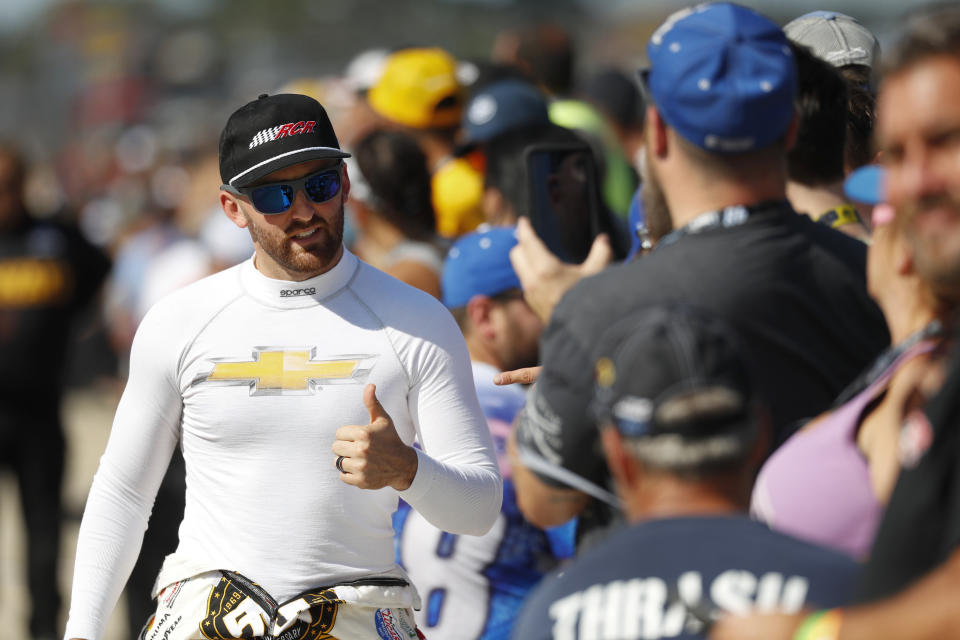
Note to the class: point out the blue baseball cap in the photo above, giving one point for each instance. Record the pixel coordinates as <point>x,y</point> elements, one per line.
<point>723,76</point>
<point>867,184</point>
<point>502,107</point>
<point>479,264</point>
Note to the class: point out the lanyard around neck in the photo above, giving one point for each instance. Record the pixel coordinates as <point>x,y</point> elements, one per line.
<point>933,329</point>
<point>839,216</point>
<point>732,216</point>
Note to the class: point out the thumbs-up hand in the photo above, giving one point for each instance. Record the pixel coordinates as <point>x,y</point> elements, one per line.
<point>373,456</point>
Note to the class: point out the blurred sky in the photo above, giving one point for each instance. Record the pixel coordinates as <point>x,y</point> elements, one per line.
<point>17,14</point>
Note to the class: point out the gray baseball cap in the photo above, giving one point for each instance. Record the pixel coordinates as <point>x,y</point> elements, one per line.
<point>835,37</point>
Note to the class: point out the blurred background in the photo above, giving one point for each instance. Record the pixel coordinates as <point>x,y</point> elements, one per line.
<point>118,106</point>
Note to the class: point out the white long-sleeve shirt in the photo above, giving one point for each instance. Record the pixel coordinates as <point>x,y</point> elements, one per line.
<point>253,376</point>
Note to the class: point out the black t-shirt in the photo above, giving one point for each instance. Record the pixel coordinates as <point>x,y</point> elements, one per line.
<point>921,526</point>
<point>48,273</point>
<point>793,290</point>
<point>635,584</point>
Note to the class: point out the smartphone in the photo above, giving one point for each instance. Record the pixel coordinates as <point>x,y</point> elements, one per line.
<point>563,197</point>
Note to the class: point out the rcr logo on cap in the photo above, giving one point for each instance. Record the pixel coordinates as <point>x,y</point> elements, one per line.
<point>283,130</point>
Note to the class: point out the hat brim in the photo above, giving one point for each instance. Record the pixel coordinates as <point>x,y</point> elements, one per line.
<point>284,160</point>
<point>867,185</point>
<point>676,451</point>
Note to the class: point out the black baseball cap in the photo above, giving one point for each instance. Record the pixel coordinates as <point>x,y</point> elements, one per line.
<point>273,132</point>
<point>672,380</point>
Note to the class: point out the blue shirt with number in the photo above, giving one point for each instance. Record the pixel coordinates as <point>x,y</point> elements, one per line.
<point>473,587</point>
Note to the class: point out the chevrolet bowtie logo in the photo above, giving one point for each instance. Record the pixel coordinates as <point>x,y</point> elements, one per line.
<point>276,371</point>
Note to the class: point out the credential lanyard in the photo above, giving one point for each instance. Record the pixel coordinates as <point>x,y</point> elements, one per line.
<point>839,216</point>
<point>933,329</point>
<point>732,216</point>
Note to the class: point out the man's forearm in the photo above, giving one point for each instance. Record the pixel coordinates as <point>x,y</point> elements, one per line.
<point>462,498</point>
<point>107,548</point>
<point>926,610</point>
<point>541,504</point>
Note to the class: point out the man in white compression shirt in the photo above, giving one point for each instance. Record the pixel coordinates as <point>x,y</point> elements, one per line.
<point>295,384</point>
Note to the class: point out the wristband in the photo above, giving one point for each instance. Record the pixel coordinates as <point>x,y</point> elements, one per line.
<point>820,625</point>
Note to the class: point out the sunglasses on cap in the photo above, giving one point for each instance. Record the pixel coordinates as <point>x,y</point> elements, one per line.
<point>278,197</point>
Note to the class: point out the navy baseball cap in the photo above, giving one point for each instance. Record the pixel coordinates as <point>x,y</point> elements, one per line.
<point>723,76</point>
<point>479,264</point>
<point>273,132</point>
<point>500,108</point>
<point>671,378</point>
<point>867,184</point>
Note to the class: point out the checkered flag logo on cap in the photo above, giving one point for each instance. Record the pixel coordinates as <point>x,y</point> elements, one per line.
<point>265,136</point>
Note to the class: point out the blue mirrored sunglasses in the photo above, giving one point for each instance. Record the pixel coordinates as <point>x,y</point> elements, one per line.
<point>278,197</point>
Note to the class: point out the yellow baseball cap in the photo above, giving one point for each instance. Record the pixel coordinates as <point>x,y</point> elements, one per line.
<point>457,198</point>
<point>419,88</point>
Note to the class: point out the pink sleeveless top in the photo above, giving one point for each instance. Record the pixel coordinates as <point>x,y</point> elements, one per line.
<point>816,486</point>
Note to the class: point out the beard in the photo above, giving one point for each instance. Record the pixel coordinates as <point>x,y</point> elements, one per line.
<point>522,355</point>
<point>936,250</point>
<point>294,258</point>
<point>656,212</point>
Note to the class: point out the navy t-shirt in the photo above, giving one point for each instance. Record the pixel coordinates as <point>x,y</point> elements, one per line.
<point>793,290</point>
<point>634,584</point>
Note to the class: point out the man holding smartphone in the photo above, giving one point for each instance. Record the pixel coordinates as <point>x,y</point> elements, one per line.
<point>716,142</point>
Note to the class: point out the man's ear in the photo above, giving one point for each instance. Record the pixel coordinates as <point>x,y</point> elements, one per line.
<point>479,310</point>
<point>345,183</point>
<point>231,207</point>
<point>790,137</point>
<point>622,466</point>
<point>656,132</point>
<point>761,447</point>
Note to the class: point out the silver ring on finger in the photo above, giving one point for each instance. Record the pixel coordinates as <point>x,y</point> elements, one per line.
<point>340,464</point>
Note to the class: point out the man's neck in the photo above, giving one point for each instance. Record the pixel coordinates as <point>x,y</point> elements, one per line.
<point>814,201</point>
<point>381,233</point>
<point>665,496</point>
<point>905,309</point>
<point>436,150</point>
<point>480,352</point>
<point>271,269</point>
<point>691,189</point>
